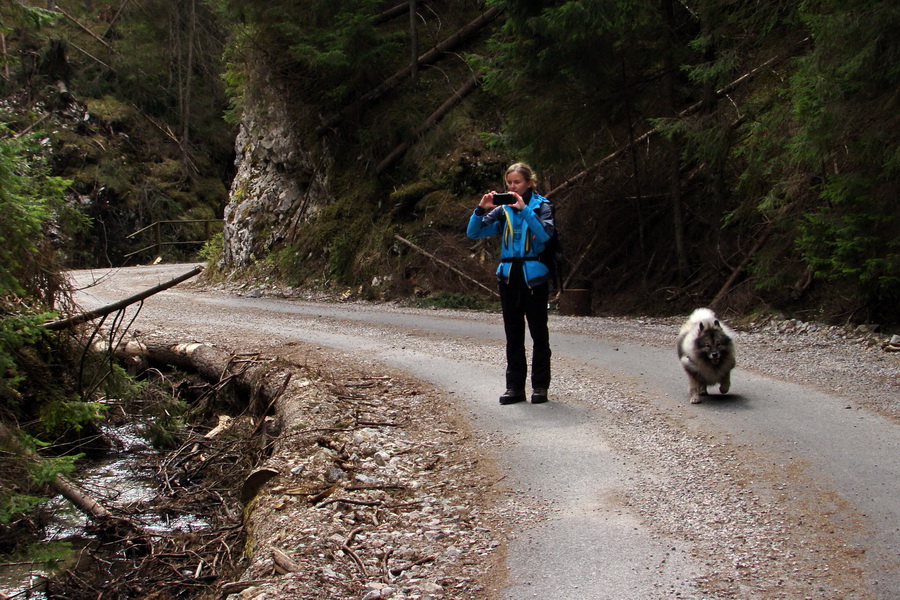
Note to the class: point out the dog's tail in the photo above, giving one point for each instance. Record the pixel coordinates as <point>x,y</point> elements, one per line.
<point>704,316</point>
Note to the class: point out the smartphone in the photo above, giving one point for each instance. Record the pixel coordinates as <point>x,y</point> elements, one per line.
<point>501,199</point>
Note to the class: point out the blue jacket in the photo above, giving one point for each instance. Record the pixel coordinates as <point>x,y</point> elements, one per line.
<point>524,234</point>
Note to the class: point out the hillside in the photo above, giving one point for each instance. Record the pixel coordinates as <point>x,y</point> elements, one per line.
<point>719,153</point>
<point>695,154</point>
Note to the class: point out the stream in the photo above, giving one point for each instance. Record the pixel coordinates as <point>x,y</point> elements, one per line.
<point>126,482</point>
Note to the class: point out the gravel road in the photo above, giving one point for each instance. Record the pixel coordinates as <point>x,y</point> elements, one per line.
<point>788,487</point>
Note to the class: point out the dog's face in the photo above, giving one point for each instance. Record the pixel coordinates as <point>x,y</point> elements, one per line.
<point>713,344</point>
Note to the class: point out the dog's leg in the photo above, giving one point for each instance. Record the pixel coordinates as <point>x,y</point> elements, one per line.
<point>696,388</point>
<point>697,385</point>
<point>725,383</point>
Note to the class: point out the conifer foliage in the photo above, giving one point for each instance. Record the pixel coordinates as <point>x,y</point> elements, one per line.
<point>778,125</point>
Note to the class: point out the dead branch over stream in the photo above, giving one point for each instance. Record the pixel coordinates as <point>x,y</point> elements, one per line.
<point>111,308</point>
<point>110,527</point>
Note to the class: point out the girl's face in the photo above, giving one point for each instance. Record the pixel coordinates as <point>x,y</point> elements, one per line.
<point>516,182</point>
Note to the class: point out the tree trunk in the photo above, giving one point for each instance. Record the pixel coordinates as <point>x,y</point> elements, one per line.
<point>638,203</point>
<point>260,380</point>
<point>413,43</point>
<point>678,230</point>
<point>188,82</point>
<point>5,56</point>
<point>391,13</point>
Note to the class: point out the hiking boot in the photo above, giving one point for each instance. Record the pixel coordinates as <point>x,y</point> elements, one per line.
<point>512,396</point>
<point>538,396</point>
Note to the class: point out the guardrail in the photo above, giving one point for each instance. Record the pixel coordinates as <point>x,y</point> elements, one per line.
<point>159,242</point>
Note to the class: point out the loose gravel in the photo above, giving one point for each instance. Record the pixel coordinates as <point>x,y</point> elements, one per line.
<point>449,539</point>
<point>385,492</point>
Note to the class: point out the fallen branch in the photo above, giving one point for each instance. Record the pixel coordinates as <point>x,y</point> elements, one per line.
<point>86,30</point>
<point>111,308</point>
<point>399,569</point>
<point>403,74</point>
<point>92,57</point>
<point>167,131</point>
<point>430,122</point>
<point>391,13</point>
<point>30,127</point>
<point>111,526</point>
<point>446,264</point>
<point>740,268</point>
<point>115,18</point>
<point>648,134</point>
<point>356,559</point>
<point>581,258</point>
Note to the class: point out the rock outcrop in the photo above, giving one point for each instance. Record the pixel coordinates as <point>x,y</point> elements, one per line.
<point>281,179</point>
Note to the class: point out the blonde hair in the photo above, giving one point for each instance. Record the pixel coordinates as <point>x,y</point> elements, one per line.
<point>525,170</point>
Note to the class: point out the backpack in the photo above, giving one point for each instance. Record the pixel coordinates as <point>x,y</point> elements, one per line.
<point>552,255</point>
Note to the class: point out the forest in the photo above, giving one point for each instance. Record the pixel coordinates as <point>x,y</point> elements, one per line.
<point>729,153</point>
<point>726,153</point>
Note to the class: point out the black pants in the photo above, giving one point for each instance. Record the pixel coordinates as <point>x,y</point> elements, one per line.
<point>521,303</point>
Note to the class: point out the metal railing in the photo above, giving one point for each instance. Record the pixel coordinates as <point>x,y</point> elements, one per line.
<point>159,242</point>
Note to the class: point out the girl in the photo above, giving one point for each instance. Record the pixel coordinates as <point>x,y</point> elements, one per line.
<point>525,225</point>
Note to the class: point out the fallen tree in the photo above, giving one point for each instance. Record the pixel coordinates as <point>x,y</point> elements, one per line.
<point>445,264</point>
<point>403,74</point>
<point>262,381</point>
<point>454,99</point>
<point>655,130</point>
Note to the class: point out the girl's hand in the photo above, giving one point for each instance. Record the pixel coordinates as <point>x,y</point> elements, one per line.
<point>520,202</point>
<point>487,201</point>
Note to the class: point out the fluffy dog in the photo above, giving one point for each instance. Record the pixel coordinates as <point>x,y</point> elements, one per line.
<point>706,350</point>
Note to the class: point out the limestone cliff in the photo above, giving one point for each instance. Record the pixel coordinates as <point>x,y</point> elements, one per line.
<point>280,182</point>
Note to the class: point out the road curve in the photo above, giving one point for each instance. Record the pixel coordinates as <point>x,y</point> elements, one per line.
<point>774,491</point>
